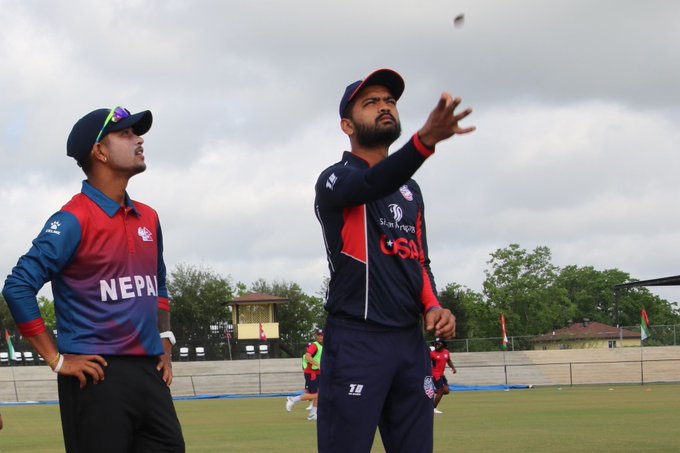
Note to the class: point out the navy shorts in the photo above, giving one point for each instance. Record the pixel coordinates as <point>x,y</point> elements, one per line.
<point>311,383</point>
<point>375,377</point>
<point>441,384</point>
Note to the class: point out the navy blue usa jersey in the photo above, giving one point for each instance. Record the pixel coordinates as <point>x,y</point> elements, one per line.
<point>373,225</point>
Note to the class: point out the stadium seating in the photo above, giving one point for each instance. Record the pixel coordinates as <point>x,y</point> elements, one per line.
<point>250,351</point>
<point>184,353</point>
<point>4,358</point>
<point>28,358</point>
<point>200,353</point>
<point>18,358</point>
<point>264,350</point>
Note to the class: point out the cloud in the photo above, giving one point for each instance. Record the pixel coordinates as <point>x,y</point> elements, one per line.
<point>575,105</point>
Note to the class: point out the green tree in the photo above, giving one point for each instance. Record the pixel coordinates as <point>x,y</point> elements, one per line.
<point>6,320</point>
<point>469,308</point>
<point>592,292</point>
<point>197,296</point>
<point>521,284</point>
<point>475,319</point>
<point>631,301</point>
<point>47,311</point>
<point>298,318</point>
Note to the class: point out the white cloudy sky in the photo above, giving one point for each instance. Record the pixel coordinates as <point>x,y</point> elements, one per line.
<point>576,104</point>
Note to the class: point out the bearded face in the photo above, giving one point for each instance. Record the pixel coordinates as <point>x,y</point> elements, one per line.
<point>379,133</point>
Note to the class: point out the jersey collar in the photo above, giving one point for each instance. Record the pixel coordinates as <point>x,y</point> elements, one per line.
<point>106,204</point>
<point>350,156</point>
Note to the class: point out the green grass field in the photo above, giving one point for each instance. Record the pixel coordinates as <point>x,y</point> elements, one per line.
<point>641,419</point>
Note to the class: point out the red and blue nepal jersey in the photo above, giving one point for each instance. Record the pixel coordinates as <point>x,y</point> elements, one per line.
<point>105,264</point>
<point>373,225</point>
<point>439,361</point>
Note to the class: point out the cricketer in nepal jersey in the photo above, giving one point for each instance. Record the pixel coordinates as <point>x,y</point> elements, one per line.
<point>105,263</point>
<point>373,226</point>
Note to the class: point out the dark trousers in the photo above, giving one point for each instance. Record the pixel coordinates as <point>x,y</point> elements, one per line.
<point>131,410</point>
<point>374,377</point>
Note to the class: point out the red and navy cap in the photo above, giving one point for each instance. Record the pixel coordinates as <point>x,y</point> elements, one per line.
<point>385,77</point>
<point>84,133</point>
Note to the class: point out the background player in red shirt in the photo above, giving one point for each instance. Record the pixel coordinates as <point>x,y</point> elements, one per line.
<point>312,371</point>
<point>440,358</point>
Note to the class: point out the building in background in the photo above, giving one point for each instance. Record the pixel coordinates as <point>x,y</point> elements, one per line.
<point>587,335</point>
<point>256,327</point>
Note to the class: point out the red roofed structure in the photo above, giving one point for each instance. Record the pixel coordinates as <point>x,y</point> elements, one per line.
<point>587,335</point>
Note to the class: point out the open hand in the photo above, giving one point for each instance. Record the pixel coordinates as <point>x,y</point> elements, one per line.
<point>443,121</point>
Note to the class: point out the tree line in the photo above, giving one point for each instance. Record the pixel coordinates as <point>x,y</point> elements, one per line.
<point>534,295</point>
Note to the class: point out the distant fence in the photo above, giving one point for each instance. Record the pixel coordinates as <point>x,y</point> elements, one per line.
<point>662,335</point>
<point>218,347</point>
<point>580,373</point>
<point>284,376</point>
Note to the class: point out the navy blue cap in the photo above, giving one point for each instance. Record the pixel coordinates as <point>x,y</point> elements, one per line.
<point>84,133</point>
<point>385,77</point>
<point>439,341</point>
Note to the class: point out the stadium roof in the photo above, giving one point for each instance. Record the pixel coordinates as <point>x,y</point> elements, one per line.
<point>586,330</point>
<point>256,298</point>
<point>663,281</point>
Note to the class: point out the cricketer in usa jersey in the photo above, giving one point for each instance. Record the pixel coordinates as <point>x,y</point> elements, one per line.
<point>103,254</point>
<point>440,357</point>
<point>376,365</point>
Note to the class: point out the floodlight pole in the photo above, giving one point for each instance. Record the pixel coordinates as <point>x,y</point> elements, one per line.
<point>617,293</point>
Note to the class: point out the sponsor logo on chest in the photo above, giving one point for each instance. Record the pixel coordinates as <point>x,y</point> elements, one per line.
<point>397,215</point>
<point>403,247</point>
<point>145,234</point>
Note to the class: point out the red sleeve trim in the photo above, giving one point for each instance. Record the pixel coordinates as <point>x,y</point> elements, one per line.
<point>32,328</point>
<point>422,149</point>
<point>163,304</point>
<point>427,296</point>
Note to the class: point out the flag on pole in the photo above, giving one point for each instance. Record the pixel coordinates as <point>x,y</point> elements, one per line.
<point>8,339</point>
<point>504,341</point>
<point>263,337</point>
<point>644,326</point>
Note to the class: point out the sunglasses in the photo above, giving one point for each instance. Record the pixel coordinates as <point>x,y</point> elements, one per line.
<point>115,115</point>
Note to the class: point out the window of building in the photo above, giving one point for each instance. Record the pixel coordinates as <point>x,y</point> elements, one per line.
<point>253,314</point>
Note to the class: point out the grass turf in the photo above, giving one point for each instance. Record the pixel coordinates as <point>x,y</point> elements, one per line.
<point>557,420</point>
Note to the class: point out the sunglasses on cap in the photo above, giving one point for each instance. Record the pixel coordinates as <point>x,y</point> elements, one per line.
<point>115,115</point>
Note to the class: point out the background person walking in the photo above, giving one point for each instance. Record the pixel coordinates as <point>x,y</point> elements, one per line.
<point>311,365</point>
<point>440,358</point>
